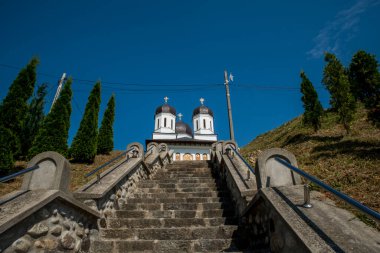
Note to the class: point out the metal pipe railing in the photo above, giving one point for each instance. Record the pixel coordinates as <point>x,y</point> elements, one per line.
<point>19,173</point>
<point>359,206</point>
<point>244,161</point>
<point>106,163</point>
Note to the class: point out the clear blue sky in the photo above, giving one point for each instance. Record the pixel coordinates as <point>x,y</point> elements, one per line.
<point>265,44</point>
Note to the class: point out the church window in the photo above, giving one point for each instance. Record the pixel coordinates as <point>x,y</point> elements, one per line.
<point>171,124</point>
<point>197,124</point>
<point>211,125</point>
<point>158,123</point>
<point>204,123</point>
<point>164,122</point>
<point>204,156</point>
<point>197,156</point>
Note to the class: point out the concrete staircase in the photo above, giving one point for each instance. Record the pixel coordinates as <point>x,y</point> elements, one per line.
<point>181,209</point>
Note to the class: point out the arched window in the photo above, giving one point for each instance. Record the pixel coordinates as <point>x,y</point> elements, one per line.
<point>197,124</point>
<point>197,156</point>
<point>158,123</point>
<point>204,123</point>
<point>171,124</point>
<point>164,122</point>
<point>211,125</point>
<point>177,157</point>
<point>204,156</point>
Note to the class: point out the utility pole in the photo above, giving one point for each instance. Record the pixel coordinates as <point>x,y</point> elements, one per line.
<point>60,83</point>
<point>232,135</point>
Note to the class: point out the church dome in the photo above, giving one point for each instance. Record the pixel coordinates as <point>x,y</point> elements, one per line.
<point>203,110</point>
<point>183,128</point>
<point>165,108</point>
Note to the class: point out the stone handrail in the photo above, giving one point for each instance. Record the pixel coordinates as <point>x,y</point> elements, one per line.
<point>45,216</point>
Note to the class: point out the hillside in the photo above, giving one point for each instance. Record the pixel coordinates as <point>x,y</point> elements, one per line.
<point>349,163</point>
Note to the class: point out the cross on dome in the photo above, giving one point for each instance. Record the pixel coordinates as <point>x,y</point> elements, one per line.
<point>180,116</point>
<point>202,100</point>
<point>166,100</point>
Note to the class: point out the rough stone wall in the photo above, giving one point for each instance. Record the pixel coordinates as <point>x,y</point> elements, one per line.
<point>54,228</point>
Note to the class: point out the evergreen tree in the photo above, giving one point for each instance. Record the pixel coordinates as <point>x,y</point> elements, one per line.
<point>54,131</point>
<point>105,137</point>
<point>6,155</point>
<point>33,119</point>
<point>14,106</point>
<point>365,82</point>
<point>345,102</point>
<point>336,81</point>
<point>311,104</point>
<point>84,145</point>
<point>331,75</point>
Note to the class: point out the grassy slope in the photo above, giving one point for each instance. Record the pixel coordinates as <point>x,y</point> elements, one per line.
<point>78,171</point>
<point>349,163</point>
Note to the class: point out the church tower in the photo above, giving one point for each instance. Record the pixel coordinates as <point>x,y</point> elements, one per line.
<point>164,121</point>
<point>203,123</point>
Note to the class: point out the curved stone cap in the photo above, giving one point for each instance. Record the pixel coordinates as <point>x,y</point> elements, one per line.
<point>165,108</point>
<point>270,173</point>
<point>183,128</point>
<point>203,110</point>
<point>53,173</point>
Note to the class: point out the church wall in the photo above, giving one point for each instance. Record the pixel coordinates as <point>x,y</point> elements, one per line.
<point>190,150</point>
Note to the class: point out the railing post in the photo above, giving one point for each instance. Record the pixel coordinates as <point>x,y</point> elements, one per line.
<point>306,193</point>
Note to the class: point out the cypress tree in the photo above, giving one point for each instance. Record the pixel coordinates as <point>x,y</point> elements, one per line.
<point>14,106</point>
<point>311,104</point>
<point>105,137</point>
<point>345,102</point>
<point>33,119</point>
<point>331,75</point>
<point>84,145</point>
<point>54,131</point>
<point>365,82</point>
<point>336,81</point>
<point>7,139</point>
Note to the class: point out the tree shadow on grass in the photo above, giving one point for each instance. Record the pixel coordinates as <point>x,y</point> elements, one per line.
<point>299,138</point>
<point>360,149</point>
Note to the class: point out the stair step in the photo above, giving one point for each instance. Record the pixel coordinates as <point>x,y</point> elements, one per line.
<point>202,245</point>
<point>182,180</point>
<point>180,195</point>
<point>182,233</point>
<point>212,213</point>
<point>174,190</point>
<point>178,200</point>
<point>150,184</point>
<point>176,206</point>
<point>169,222</point>
<point>171,176</point>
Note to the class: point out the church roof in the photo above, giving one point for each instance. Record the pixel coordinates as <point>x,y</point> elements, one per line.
<point>183,128</point>
<point>165,108</point>
<point>203,110</point>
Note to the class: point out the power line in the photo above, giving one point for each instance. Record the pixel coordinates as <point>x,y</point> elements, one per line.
<point>149,88</point>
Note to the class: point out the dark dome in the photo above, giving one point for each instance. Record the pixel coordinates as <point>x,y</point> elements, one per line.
<point>183,128</point>
<point>165,108</point>
<point>203,110</point>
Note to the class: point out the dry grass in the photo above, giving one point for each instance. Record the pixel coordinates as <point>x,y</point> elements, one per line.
<point>78,171</point>
<point>349,163</point>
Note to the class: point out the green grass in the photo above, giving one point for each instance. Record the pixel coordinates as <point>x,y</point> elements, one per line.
<point>348,162</point>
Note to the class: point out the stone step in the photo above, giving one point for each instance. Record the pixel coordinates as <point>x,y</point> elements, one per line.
<point>182,233</point>
<point>178,200</point>
<point>169,222</point>
<point>150,184</point>
<point>164,246</point>
<point>204,169</point>
<point>175,190</point>
<point>182,180</point>
<point>180,195</point>
<point>176,206</point>
<point>170,176</point>
<point>212,213</point>
<point>175,175</point>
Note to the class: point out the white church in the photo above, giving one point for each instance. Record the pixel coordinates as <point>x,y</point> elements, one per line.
<point>180,137</point>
